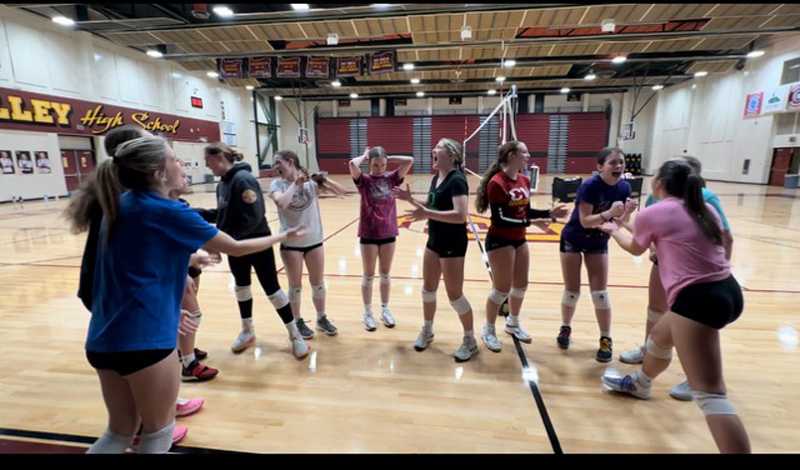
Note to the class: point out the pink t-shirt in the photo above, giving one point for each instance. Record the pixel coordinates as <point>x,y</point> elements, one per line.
<point>378,206</point>
<point>685,255</point>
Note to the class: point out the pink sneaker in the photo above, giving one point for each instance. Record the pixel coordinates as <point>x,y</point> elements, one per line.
<point>185,407</point>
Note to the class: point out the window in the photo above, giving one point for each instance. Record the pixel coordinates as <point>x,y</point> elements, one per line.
<point>791,71</point>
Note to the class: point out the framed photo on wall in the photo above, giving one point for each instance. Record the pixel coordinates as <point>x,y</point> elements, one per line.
<point>24,162</point>
<point>6,162</point>
<point>42,162</point>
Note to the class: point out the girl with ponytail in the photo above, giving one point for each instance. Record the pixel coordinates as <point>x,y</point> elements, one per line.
<point>702,295</point>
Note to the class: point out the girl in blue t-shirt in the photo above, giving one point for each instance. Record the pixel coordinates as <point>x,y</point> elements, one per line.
<point>145,241</point>
<point>600,198</point>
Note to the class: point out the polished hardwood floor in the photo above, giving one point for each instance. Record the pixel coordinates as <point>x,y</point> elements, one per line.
<point>371,392</point>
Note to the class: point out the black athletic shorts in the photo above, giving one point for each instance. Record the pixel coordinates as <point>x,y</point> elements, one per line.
<point>301,249</point>
<point>377,241</point>
<point>127,362</point>
<point>194,273</point>
<point>455,247</point>
<point>565,246</point>
<point>493,243</point>
<point>713,304</point>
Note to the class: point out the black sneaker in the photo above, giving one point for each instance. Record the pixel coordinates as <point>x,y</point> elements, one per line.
<point>563,337</point>
<point>200,354</point>
<point>325,325</point>
<point>305,331</point>
<point>604,353</point>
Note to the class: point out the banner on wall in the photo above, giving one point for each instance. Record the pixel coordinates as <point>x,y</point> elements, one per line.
<point>6,162</point>
<point>288,67</point>
<point>793,99</point>
<point>42,162</point>
<point>318,67</point>
<point>24,162</point>
<point>231,68</point>
<point>348,66</point>
<point>775,102</point>
<point>753,104</point>
<point>259,67</point>
<point>382,62</point>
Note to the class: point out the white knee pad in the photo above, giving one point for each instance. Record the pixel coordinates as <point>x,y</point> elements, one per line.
<point>279,299</point>
<point>713,403</point>
<point>570,299</point>
<point>653,315</point>
<point>318,292</point>
<point>461,305</point>
<point>385,278</point>
<point>294,294</point>
<point>243,293</point>
<point>498,297</point>
<point>518,292</point>
<point>197,316</point>
<point>110,443</point>
<point>158,442</point>
<point>428,297</point>
<point>366,281</point>
<point>657,351</point>
<point>601,300</point>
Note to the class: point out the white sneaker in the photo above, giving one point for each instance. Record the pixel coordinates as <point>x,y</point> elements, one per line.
<point>299,347</point>
<point>681,392</point>
<point>369,322</point>
<point>489,338</point>
<point>634,356</point>
<point>387,318</point>
<point>423,340</point>
<point>627,385</point>
<point>467,349</point>
<point>518,332</point>
<point>245,339</point>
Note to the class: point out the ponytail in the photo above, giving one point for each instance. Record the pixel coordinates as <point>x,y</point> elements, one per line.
<point>680,181</point>
<point>503,154</point>
<point>108,189</point>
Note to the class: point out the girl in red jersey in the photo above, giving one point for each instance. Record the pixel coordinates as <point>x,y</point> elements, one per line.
<point>506,191</point>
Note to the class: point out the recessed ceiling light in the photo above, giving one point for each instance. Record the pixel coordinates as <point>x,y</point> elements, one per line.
<point>408,66</point>
<point>381,5</point>
<point>491,92</point>
<point>415,81</point>
<point>354,95</point>
<point>223,11</point>
<point>420,94</point>
<point>619,59</point>
<point>565,90</point>
<point>590,76</point>
<point>694,85</point>
<point>509,63</point>
<point>701,73</point>
<point>278,97</point>
<point>212,74</point>
<point>333,39</point>
<point>154,53</point>
<point>336,83</point>
<point>98,57</point>
<point>300,6</point>
<point>500,79</point>
<point>176,75</point>
<point>753,54</point>
<point>466,33</point>
<point>657,87</point>
<point>250,87</point>
<point>63,21</point>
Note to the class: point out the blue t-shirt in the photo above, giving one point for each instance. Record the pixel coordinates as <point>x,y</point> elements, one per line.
<point>709,197</point>
<point>140,273</point>
<point>600,195</point>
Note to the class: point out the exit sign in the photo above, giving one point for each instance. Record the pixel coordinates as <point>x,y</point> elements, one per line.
<point>197,102</point>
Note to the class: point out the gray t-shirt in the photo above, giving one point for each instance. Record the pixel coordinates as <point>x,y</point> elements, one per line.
<point>304,209</point>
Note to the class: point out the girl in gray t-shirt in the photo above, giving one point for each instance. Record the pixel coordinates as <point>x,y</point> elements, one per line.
<point>297,196</point>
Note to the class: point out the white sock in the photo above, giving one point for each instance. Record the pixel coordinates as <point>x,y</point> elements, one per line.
<point>489,327</point>
<point>384,307</point>
<point>606,333</point>
<point>247,324</point>
<point>187,359</point>
<point>469,334</point>
<point>368,309</point>
<point>110,443</point>
<point>642,379</point>
<point>320,315</point>
<point>291,327</point>
<point>428,326</point>
<point>513,320</point>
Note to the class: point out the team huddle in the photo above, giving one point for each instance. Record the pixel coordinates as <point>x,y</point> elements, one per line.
<point>147,247</point>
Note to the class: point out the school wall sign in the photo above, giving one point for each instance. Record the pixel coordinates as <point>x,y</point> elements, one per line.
<point>539,231</point>
<point>20,110</point>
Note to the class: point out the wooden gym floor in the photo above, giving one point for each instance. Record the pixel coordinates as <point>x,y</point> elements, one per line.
<point>371,392</point>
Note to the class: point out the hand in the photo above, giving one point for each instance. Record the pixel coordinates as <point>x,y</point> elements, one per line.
<point>187,325</point>
<point>617,209</point>
<point>215,257</point>
<point>418,213</point>
<point>201,259</point>
<point>296,232</point>
<point>300,180</point>
<point>402,194</point>
<point>559,211</point>
<point>653,257</point>
<point>364,155</point>
<point>630,206</point>
<point>609,227</point>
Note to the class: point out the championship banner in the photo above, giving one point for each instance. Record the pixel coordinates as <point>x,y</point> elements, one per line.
<point>753,104</point>
<point>793,102</point>
<point>288,67</point>
<point>259,67</point>
<point>231,68</point>
<point>318,67</point>
<point>382,62</point>
<point>348,66</point>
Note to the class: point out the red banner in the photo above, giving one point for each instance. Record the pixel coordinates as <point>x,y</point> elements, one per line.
<point>36,112</point>
<point>348,66</point>
<point>288,67</point>
<point>382,62</point>
<point>231,68</point>
<point>259,67</point>
<point>318,67</point>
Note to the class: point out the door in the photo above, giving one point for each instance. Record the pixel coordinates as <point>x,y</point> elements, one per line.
<point>77,166</point>
<point>781,159</point>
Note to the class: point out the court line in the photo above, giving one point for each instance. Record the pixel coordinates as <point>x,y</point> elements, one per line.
<point>329,237</point>
<point>74,438</point>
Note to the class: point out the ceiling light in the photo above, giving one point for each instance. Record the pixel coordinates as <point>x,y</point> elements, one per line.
<point>336,83</point>
<point>154,54</point>
<point>565,90</point>
<point>754,54</point>
<point>98,57</point>
<point>509,63</point>
<point>619,59</point>
<point>250,87</point>
<point>701,73</point>
<point>278,98</point>
<point>354,95</point>
<point>333,39</point>
<point>212,74</point>
<point>300,6</point>
<point>657,87</point>
<point>408,66</point>
<point>415,81</point>
<point>607,26</point>
<point>590,76</point>
<point>176,75</point>
<point>466,33</point>
<point>381,5</point>
<point>223,11</point>
<point>500,79</point>
<point>420,94</point>
<point>694,85</point>
<point>63,21</point>
<point>491,92</point>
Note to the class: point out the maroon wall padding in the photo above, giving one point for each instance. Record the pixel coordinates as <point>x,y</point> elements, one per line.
<point>581,165</point>
<point>588,134</point>
<point>473,146</point>
<point>394,134</point>
<point>337,166</point>
<point>453,127</point>
<point>541,162</point>
<point>333,136</point>
<point>534,130</point>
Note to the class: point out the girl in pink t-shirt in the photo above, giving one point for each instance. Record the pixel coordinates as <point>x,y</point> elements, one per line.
<point>377,227</point>
<point>702,294</point>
